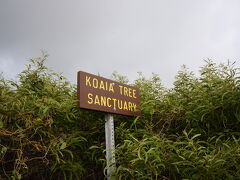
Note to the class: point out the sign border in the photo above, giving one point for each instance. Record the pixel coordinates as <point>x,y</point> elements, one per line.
<point>127,113</point>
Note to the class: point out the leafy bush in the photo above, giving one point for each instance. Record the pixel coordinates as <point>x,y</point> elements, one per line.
<point>188,132</point>
<point>43,133</point>
<point>183,157</point>
<point>210,103</point>
<point>158,147</point>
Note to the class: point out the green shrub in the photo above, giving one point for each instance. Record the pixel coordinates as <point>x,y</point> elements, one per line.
<point>188,132</point>
<point>43,134</point>
<point>210,103</point>
<point>184,157</point>
<point>156,146</point>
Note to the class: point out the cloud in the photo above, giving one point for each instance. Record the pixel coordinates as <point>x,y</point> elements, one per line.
<point>124,36</point>
<point>9,68</point>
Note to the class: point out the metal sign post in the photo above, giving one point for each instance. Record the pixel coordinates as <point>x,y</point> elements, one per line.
<point>110,146</point>
<point>101,94</point>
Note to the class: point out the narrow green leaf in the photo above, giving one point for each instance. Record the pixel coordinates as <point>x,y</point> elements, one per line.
<point>63,146</point>
<point>1,124</point>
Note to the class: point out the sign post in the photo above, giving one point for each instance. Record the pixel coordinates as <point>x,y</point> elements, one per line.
<point>110,145</point>
<point>101,94</point>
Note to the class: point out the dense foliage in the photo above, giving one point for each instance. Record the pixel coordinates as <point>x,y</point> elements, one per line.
<point>191,131</point>
<point>43,133</point>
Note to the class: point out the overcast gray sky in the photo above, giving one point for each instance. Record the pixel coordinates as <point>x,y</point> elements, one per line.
<point>127,36</point>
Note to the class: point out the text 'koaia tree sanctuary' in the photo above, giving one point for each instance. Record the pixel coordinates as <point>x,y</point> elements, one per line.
<point>102,94</point>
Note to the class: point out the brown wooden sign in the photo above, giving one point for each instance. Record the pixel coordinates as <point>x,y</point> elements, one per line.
<point>102,94</point>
